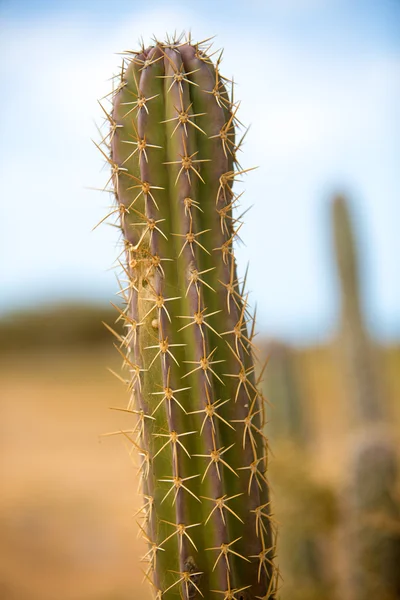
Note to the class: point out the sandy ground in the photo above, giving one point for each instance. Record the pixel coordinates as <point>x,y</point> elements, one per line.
<point>68,496</point>
<point>67,526</point>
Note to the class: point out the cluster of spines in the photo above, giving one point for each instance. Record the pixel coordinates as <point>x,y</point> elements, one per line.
<point>194,267</point>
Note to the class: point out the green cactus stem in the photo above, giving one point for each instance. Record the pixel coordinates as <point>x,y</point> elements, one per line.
<point>188,349</point>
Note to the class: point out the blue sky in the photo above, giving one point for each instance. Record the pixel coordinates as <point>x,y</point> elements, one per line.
<point>319,82</point>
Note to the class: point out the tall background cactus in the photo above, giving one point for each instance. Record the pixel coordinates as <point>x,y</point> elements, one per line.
<point>372,518</point>
<point>305,506</point>
<point>359,362</point>
<point>289,418</point>
<point>371,503</point>
<point>187,348</point>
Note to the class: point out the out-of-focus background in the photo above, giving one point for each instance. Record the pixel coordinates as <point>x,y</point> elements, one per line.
<point>319,81</point>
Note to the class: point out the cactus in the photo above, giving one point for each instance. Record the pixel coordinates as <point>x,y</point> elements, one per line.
<point>306,507</point>
<point>188,348</point>
<point>371,503</point>
<point>359,362</point>
<point>290,419</point>
<point>373,518</point>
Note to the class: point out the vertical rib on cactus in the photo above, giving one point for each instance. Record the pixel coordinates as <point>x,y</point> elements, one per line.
<point>206,513</point>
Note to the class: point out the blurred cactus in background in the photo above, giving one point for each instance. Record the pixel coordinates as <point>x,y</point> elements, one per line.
<point>305,507</point>
<point>371,502</point>
<point>188,346</point>
<point>358,360</point>
<point>282,386</point>
<point>307,515</point>
<point>372,519</point>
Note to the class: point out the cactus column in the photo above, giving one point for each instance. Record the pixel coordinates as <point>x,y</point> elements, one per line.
<point>372,508</point>
<point>187,349</point>
<point>355,343</point>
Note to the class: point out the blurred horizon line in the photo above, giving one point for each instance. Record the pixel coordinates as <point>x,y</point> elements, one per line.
<point>298,332</point>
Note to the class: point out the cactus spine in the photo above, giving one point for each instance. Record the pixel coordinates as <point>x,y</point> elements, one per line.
<point>187,349</point>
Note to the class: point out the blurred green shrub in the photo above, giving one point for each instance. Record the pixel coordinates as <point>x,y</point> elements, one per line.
<point>62,326</point>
